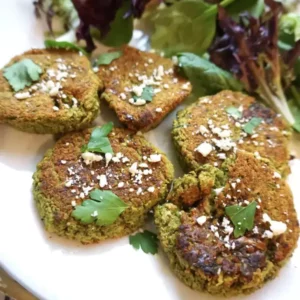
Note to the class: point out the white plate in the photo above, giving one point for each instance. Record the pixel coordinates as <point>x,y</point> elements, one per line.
<point>56,269</point>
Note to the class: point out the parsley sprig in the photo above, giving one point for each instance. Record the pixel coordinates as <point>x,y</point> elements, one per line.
<point>22,73</point>
<point>104,207</point>
<point>241,217</point>
<point>99,141</point>
<point>146,240</point>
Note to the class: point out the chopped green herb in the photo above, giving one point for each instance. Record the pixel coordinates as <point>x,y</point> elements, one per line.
<point>147,94</point>
<point>251,125</point>
<point>146,240</point>
<point>22,73</point>
<point>63,45</point>
<point>107,58</point>
<point>241,217</point>
<point>104,207</point>
<point>234,112</point>
<point>99,141</point>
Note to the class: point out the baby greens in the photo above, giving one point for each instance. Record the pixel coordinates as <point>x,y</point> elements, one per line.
<point>107,58</point>
<point>63,45</point>
<point>251,125</point>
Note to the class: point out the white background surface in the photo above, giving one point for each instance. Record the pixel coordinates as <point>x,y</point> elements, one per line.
<point>56,269</point>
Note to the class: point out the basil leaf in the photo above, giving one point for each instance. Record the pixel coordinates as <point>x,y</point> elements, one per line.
<point>99,141</point>
<point>251,125</point>
<point>107,58</point>
<point>146,240</point>
<point>105,210</point>
<point>234,112</point>
<point>22,73</point>
<point>63,45</point>
<point>205,77</point>
<point>241,217</point>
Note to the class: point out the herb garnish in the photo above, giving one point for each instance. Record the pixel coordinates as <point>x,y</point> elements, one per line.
<point>22,73</point>
<point>99,141</point>
<point>104,207</point>
<point>234,112</point>
<point>147,94</point>
<point>145,240</point>
<point>241,217</point>
<point>63,45</point>
<point>107,58</point>
<point>251,125</point>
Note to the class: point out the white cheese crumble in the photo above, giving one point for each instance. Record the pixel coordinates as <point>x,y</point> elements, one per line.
<point>137,102</point>
<point>151,189</point>
<point>133,169</point>
<point>276,175</point>
<point>102,180</point>
<point>108,157</point>
<point>21,96</point>
<point>90,157</point>
<point>121,184</point>
<point>201,220</point>
<point>277,227</point>
<point>204,148</point>
<point>219,190</point>
<point>154,158</point>
<point>158,110</point>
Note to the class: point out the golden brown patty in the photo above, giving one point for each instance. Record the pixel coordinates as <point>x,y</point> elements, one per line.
<point>125,72</point>
<point>197,235</point>
<point>73,107</point>
<point>62,177</point>
<point>207,122</point>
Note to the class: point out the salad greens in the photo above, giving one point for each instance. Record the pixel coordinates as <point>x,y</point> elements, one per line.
<point>205,76</point>
<point>22,73</point>
<point>249,50</point>
<point>104,207</point>
<point>60,15</point>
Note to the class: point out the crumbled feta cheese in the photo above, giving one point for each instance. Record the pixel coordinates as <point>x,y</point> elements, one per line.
<point>186,86</point>
<point>21,96</point>
<point>277,227</point>
<point>224,144</point>
<point>151,189</point>
<point>139,191</point>
<point>108,157</point>
<point>73,203</point>
<point>55,108</point>
<point>94,214</point>
<point>201,220</point>
<point>133,169</point>
<point>154,158</point>
<point>90,157</point>
<point>123,96</point>
<point>267,234</point>
<point>69,183</point>
<point>204,148</point>
<point>63,162</point>
<point>102,180</point>
<point>203,130</point>
<point>219,190</point>
<point>158,110</point>
<point>121,184</point>
<point>137,102</point>
<point>143,165</point>
<point>276,175</point>
<point>166,86</point>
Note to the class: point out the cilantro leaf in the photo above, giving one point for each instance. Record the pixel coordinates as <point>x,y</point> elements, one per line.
<point>22,73</point>
<point>251,125</point>
<point>241,217</point>
<point>146,240</point>
<point>99,141</point>
<point>104,208</point>
<point>63,45</point>
<point>234,112</point>
<point>107,58</point>
<point>147,94</point>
